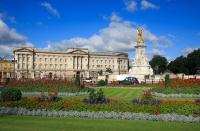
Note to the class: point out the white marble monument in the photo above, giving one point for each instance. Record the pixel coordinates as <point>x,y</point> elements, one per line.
<point>140,66</point>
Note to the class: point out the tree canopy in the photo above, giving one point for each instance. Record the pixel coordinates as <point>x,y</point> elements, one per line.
<point>159,64</point>
<point>189,64</point>
<point>179,65</point>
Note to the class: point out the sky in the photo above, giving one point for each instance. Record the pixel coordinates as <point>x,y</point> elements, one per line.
<point>170,27</point>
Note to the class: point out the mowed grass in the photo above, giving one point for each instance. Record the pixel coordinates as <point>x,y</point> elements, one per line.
<point>124,93</point>
<point>36,123</point>
<point>128,94</point>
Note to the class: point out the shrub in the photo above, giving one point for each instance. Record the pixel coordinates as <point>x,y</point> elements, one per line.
<point>167,81</point>
<point>77,80</point>
<point>96,98</point>
<point>101,83</point>
<point>100,95</point>
<point>92,95</point>
<point>11,94</point>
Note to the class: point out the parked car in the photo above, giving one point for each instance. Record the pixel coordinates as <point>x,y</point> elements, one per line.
<point>87,80</point>
<point>130,80</point>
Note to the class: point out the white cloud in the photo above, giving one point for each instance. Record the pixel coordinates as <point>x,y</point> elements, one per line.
<point>148,5</point>
<point>49,8</point>
<point>163,42</point>
<point>10,38</point>
<point>5,16</point>
<point>186,51</point>
<point>157,52</point>
<point>120,35</point>
<point>115,17</point>
<point>131,5</point>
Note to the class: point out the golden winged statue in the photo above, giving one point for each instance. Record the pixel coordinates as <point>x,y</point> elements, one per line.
<point>139,38</point>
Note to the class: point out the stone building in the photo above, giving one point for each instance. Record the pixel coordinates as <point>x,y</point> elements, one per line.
<point>37,63</point>
<point>6,69</point>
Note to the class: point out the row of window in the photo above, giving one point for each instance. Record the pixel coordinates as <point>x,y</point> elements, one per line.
<point>107,66</point>
<point>61,66</point>
<point>108,61</point>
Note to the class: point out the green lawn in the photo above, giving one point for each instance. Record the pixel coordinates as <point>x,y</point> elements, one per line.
<point>132,93</point>
<point>128,94</point>
<point>124,93</point>
<point>31,123</point>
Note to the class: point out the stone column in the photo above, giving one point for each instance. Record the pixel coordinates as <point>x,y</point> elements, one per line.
<point>81,62</point>
<point>77,62</point>
<point>26,65</point>
<point>18,61</point>
<point>73,62</point>
<point>22,62</point>
<point>2,76</point>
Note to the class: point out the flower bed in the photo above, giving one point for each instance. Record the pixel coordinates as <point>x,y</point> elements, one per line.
<point>192,82</point>
<point>43,85</point>
<point>99,115</point>
<point>117,105</point>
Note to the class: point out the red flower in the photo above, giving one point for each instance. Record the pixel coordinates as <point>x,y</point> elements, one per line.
<point>158,112</point>
<point>42,106</point>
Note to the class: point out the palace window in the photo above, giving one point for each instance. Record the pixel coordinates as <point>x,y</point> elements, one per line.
<point>45,66</point>
<point>23,65</point>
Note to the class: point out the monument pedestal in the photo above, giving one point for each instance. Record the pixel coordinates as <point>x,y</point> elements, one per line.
<point>140,66</point>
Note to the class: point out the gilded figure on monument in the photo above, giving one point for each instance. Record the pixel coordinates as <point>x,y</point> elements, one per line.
<point>139,38</point>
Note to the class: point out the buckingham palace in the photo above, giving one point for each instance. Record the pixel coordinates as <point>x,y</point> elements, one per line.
<point>39,63</point>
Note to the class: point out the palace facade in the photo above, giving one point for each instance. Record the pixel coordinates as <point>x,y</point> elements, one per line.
<point>6,69</point>
<point>39,63</point>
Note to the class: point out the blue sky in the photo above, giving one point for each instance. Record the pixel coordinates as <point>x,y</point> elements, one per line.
<point>171,27</point>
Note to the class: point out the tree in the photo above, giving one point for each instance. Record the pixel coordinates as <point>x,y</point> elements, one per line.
<point>193,61</point>
<point>179,65</point>
<point>77,80</point>
<point>187,65</point>
<point>159,64</point>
